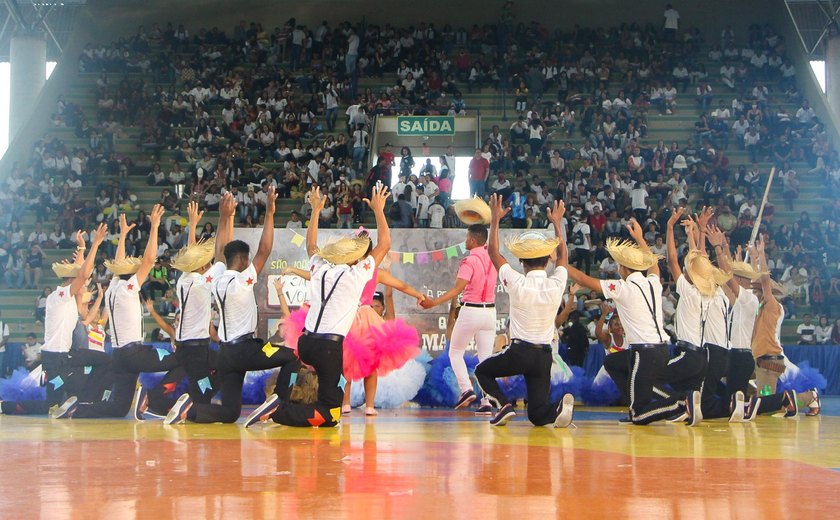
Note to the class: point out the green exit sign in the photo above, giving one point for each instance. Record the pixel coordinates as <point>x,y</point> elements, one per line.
<point>425,125</point>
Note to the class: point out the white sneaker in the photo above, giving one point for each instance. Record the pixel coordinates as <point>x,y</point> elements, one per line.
<point>566,412</point>
<point>178,413</point>
<point>737,408</point>
<point>263,412</point>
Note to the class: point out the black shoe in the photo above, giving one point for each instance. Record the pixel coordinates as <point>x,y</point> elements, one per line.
<point>484,409</point>
<point>792,407</point>
<point>751,410</point>
<point>263,412</point>
<point>565,412</point>
<point>504,415</point>
<point>466,399</point>
<point>141,403</point>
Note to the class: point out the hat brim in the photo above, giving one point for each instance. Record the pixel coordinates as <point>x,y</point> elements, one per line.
<point>194,257</point>
<point>66,270</point>
<point>128,265</point>
<point>345,250</point>
<point>629,255</point>
<point>704,276</point>
<point>526,248</point>
<point>473,211</point>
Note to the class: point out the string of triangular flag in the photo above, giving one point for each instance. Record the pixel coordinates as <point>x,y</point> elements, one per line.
<point>408,257</point>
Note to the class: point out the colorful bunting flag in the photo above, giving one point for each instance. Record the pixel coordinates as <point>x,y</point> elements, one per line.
<point>422,258</point>
<point>451,252</point>
<point>297,240</point>
<point>408,258</point>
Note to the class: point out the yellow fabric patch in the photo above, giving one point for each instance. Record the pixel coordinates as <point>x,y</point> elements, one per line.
<point>335,414</point>
<point>269,350</point>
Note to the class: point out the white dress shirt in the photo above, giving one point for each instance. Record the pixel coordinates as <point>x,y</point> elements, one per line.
<point>234,294</point>
<point>195,298</point>
<point>125,314</point>
<point>342,305</point>
<point>744,312</point>
<point>60,320</point>
<point>632,298</point>
<point>534,300</point>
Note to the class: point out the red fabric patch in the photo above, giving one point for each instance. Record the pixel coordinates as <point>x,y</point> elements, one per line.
<point>317,419</point>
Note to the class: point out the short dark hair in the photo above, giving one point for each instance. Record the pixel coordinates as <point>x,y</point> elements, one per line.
<point>479,233</point>
<point>236,249</point>
<point>535,263</point>
<point>379,297</point>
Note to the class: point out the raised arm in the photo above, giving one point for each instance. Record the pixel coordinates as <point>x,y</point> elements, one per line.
<point>670,243</point>
<point>267,237</point>
<point>284,307</point>
<point>224,231</point>
<point>459,286</point>
<point>93,312</point>
<point>383,232</point>
<point>78,284</point>
<point>194,219</point>
<point>702,225</point>
<point>164,326</point>
<point>388,297</point>
<point>302,273</point>
<point>151,246</point>
<point>563,315</point>
<point>497,212</point>
<point>601,333</point>
<point>125,228</point>
<point>316,201</point>
<point>718,240</point>
<point>555,216</point>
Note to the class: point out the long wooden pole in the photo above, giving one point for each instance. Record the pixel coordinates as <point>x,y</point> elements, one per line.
<point>761,208</point>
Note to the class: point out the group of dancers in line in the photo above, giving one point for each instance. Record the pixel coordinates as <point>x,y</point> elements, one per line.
<point>728,322</point>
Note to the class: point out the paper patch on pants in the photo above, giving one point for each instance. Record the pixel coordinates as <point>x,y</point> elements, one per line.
<point>269,350</point>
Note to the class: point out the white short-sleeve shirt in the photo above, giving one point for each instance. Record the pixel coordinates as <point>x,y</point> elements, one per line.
<point>692,309</point>
<point>125,314</point>
<point>534,300</point>
<point>632,298</point>
<point>234,294</point>
<point>717,320</point>
<point>744,312</point>
<point>60,320</point>
<point>342,305</point>
<point>195,299</point>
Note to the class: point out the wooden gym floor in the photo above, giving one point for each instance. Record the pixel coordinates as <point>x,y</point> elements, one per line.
<point>413,463</point>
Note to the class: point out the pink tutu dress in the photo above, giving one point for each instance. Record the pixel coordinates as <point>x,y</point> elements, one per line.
<point>373,345</point>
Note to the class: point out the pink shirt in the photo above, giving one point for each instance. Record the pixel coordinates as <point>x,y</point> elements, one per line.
<point>370,289</point>
<point>480,274</point>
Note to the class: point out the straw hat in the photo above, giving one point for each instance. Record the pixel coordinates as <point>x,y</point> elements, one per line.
<point>345,250</point>
<point>680,162</point>
<point>128,265</point>
<point>87,296</point>
<point>629,255</point>
<point>705,276</point>
<point>194,257</point>
<point>63,270</point>
<point>745,270</point>
<point>473,211</point>
<point>531,245</point>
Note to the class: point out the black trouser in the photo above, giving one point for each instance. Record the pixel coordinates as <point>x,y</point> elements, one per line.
<point>325,355</point>
<point>235,359</point>
<point>714,399</point>
<point>163,396</point>
<point>685,371</point>
<point>646,367</point>
<point>741,368</point>
<point>534,363</point>
<point>58,376</point>
<point>127,363</point>
<point>617,366</point>
<point>92,374</point>
<point>198,361</point>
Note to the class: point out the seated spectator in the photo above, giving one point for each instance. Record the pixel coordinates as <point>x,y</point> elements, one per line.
<point>31,351</point>
<point>806,331</point>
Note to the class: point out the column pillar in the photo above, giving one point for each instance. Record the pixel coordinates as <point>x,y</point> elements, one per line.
<point>832,73</point>
<point>28,61</point>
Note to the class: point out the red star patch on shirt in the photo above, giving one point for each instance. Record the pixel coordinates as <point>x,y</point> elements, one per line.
<point>504,282</point>
<point>61,294</point>
<point>131,287</point>
<point>311,268</point>
<point>612,286</point>
<point>208,279</point>
<point>250,281</point>
<point>367,266</point>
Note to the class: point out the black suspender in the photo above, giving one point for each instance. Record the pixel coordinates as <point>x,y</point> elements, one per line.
<point>326,297</point>
<point>185,295</point>
<point>221,308</point>
<point>112,304</point>
<point>651,305</point>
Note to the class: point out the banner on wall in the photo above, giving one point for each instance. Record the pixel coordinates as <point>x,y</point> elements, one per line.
<point>426,259</point>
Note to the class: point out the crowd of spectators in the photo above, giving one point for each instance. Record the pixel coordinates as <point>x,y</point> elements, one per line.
<point>237,111</point>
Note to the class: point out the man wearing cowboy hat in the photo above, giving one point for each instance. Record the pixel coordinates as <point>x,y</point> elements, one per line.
<point>534,300</point>
<point>638,299</point>
<point>192,332</point>
<point>59,322</point>
<point>476,279</point>
<point>130,356</point>
<point>239,350</point>
<point>767,348</point>
<point>700,318</point>
<point>340,271</point>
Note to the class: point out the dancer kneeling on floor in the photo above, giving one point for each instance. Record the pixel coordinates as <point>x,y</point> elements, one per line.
<point>534,300</point>
<point>340,272</point>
